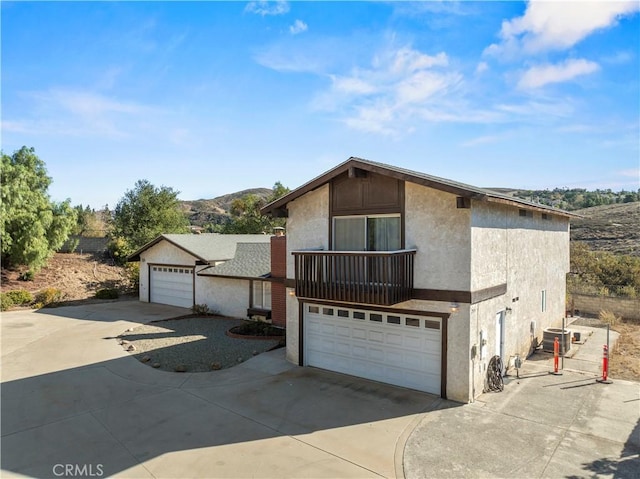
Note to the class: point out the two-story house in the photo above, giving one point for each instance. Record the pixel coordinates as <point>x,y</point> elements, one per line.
<point>413,280</point>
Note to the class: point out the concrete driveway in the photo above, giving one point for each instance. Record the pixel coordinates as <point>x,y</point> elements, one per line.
<point>74,404</point>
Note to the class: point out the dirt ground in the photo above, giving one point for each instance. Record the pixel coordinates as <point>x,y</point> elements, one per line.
<point>625,357</point>
<point>78,276</point>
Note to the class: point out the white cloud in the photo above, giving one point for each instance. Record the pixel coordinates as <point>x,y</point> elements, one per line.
<point>541,75</point>
<point>481,68</point>
<point>80,113</point>
<point>400,86</point>
<point>558,25</point>
<point>298,27</point>
<point>481,140</point>
<point>267,8</point>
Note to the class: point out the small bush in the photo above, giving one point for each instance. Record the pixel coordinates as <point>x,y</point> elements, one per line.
<point>107,294</point>
<point>27,276</point>
<point>20,296</point>
<point>132,272</point>
<point>6,302</point>
<point>609,317</point>
<point>49,297</point>
<point>201,309</point>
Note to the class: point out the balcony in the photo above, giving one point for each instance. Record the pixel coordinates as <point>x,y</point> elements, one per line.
<point>367,277</point>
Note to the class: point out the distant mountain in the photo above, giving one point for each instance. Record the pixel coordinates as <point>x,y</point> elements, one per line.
<point>614,228</point>
<point>216,211</point>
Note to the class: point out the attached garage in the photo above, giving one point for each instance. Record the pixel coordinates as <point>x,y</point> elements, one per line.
<point>171,285</point>
<point>400,349</point>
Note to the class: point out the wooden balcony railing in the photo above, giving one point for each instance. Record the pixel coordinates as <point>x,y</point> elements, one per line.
<point>368,277</point>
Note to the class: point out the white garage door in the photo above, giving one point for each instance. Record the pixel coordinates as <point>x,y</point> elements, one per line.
<point>398,349</point>
<point>172,285</point>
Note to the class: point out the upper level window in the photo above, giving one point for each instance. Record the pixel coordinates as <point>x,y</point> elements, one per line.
<point>366,233</point>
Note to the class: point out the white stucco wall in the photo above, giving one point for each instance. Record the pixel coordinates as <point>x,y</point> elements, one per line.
<point>307,228</point>
<point>227,296</point>
<point>307,224</point>
<point>161,253</point>
<point>530,255</point>
<point>440,232</point>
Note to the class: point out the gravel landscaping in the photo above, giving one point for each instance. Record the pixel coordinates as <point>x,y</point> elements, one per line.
<point>195,344</point>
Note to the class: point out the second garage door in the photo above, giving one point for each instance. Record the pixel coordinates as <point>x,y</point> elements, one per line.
<point>172,285</point>
<point>400,349</point>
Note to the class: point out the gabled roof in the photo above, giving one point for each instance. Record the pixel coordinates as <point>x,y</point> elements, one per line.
<point>460,189</point>
<point>206,247</point>
<point>252,260</point>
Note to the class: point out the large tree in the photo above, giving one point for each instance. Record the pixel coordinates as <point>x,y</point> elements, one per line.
<point>33,226</point>
<point>144,213</point>
<point>246,217</point>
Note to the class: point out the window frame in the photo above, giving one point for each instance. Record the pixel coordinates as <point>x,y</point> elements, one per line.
<point>365,231</point>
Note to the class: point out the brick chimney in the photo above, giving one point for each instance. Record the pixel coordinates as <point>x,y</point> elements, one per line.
<point>279,274</point>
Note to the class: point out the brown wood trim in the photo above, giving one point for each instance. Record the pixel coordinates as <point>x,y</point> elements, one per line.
<point>300,333</point>
<point>444,334</point>
<point>442,295</point>
<point>488,293</point>
<point>371,307</point>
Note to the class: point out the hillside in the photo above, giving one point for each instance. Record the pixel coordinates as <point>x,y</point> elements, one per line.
<point>216,211</point>
<point>614,228</point>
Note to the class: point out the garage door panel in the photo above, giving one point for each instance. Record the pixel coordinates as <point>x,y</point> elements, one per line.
<point>404,352</point>
<point>171,285</point>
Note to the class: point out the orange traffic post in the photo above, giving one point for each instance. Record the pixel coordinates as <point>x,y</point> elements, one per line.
<point>605,366</point>
<point>556,354</point>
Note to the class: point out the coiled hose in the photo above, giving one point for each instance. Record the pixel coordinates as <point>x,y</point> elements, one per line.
<point>494,375</point>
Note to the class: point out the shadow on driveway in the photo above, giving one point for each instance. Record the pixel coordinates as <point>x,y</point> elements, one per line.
<point>263,418</point>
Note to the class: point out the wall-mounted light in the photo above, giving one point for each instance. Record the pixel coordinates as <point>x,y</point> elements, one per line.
<point>454,307</point>
<point>292,292</point>
<point>508,310</point>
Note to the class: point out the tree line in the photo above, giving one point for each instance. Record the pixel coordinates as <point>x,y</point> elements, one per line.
<point>578,198</point>
<point>34,227</point>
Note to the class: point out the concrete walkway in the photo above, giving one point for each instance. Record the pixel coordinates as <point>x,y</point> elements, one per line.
<point>75,404</point>
<point>540,426</point>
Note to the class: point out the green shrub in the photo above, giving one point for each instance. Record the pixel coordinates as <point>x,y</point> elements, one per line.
<point>15,298</point>
<point>27,275</point>
<point>201,309</point>
<point>107,294</point>
<point>6,302</point>
<point>120,250</point>
<point>49,297</point>
<point>132,272</point>
<point>20,296</point>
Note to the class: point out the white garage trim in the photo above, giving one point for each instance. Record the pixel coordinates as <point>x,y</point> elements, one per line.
<point>395,347</point>
<point>171,284</point>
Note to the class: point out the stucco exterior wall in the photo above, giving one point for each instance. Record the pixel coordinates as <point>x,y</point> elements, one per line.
<point>229,297</point>
<point>530,255</point>
<point>307,224</point>
<point>440,232</point>
<point>160,253</point>
<point>307,228</point>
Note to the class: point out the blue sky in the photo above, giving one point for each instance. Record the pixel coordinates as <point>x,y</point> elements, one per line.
<point>214,97</point>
